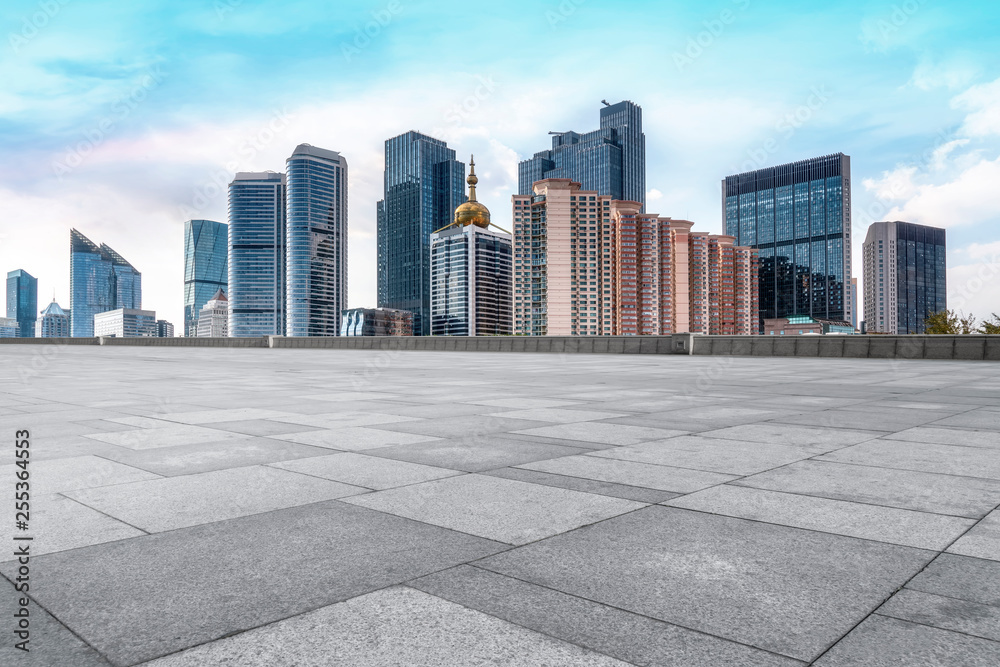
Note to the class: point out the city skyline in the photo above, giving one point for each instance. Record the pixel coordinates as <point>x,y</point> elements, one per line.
<point>911,96</point>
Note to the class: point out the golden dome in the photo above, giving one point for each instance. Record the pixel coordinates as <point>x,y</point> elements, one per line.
<point>472,212</point>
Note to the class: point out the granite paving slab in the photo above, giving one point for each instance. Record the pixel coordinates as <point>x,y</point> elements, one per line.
<point>922,457</point>
<point>604,433</point>
<point>885,420</point>
<point>961,577</point>
<point>614,490</point>
<point>558,415</point>
<point>971,618</point>
<point>355,438</point>
<point>471,426</point>
<point>77,472</point>
<point>516,403</point>
<point>786,590</point>
<point>477,454</point>
<point>980,418</point>
<point>263,427</point>
<point>645,475</point>
<point>368,471</point>
<point>983,541</point>
<point>815,438</point>
<point>178,502</point>
<point>139,599</point>
<point>948,436</point>
<point>730,457</point>
<point>201,417</point>
<point>498,509</point>
<point>164,436</point>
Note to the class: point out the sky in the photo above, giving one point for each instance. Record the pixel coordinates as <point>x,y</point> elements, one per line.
<point>123,120</point>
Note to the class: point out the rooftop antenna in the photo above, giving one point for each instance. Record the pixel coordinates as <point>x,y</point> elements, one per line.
<point>605,103</point>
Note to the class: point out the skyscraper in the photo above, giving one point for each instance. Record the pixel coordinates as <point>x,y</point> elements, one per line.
<point>585,264</point>
<point>799,217</point>
<point>471,273</point>
<point>610,161</point>
<point>206,267</point>
<point>905,270</point>
<point>316,255</point>
<point>423,187</point>
<point>54,322</point>
<point>126,323</point>
<point>100,280</point>
<point>22,301</point>
<point>213,319</point>
<point>257,203</point>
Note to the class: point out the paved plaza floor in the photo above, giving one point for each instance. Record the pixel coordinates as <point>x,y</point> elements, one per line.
<point>195,507</point>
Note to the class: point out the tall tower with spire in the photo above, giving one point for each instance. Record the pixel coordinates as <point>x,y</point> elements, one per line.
<point>471,272</point>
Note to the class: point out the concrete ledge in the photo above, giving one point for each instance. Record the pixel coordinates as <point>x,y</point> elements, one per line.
<point>992,348</point>
<point>857,347</point>
<point>831,347</point>
<point>50,341</point>
<point>910,347</point>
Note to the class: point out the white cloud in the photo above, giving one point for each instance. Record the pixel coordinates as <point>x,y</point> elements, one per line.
<point>983,104</point>
<point>967,199</point>
<point>654,195</point>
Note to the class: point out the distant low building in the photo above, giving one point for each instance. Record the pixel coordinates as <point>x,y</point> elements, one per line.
<point>53,322</point>
<point>126,323</point>
<point>803,325</point>
<point>376,322</point>
<point>213,320</point>
<point>164,329</point>
<point>9,328</point>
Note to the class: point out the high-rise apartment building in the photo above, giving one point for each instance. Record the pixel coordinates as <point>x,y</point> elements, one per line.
<point>213,319</point>
<point>423,187</point>
<point>22,301</point>
<point>799,217</point>
<point>471,273</point>
<point>376,322</point>
<point>316,283</point>
<point>126,323</point>
<point>100,280</point>
<point>206,267</point>
<point>256,263</point>
<point>905,272</point>
<point>585,264</point>
<point>610,161</point>
<point>53,323</point>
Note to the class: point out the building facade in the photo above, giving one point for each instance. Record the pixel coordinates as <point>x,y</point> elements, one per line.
<point>422,189</point>
<point>376,322</point>
<point>256,247</point>
<point>126,323</point>
<point>585,264</point>
<point>164,329</point>
<point>9,328</point>
<point>905,272</point>
<point>100,280</point>
<point>799,218</point>
<point>22,301</point>
<point>610,161</point>
<point>53,322</point>
<point>213,319</point>
<point>805,325</point>
<point>471,273</point>
<point>316,283</point>
<point>206,267</point>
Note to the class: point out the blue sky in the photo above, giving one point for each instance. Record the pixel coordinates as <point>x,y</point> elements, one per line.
<point>123,119</point>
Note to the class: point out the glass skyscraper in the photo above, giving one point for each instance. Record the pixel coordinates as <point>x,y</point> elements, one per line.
<point>799,217</point>
<point>906,281</point>
<point>22,301</point>
<point>316,284</point>
<point>610,161</point>
<point>256,255</point>
<point>206,267</point>
<point>100,280</point>
<point>424,184</point>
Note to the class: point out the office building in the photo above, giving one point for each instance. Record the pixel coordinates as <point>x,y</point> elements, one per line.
<point>257,216</point>
<point>316,255</point>
<point>53,323</point>
<point>206,267</point>
<point>610,161</point>
<point>22,301</point>
<point>423,187</point>
<point>213,319</point>
<point>376,322</point>
<point>799,218</point>
<point>806,326</point>
<point>126,323</point>
<point>857,304</point>
<point>471,273</point>
<point>9,328</point>
<point>100,280</point>
<point>905,272</point>
<point>164,329</point>
<point>585,264</point>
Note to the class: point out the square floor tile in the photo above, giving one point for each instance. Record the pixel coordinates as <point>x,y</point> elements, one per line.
<point>367,471</point>
<point>961,577</point>
<point>922,457</point>
<point>983,541</point>
<point>948,436</point>
<point>355,438</point>
<point>971,618</point>
<point>476,454</point>
<point>168,436</point>
<point>471,426</point>
<point>815,438</point>
<point>660,477</point>
<point>498,509</point>
<point>78,472</point>
<point>730,457</point>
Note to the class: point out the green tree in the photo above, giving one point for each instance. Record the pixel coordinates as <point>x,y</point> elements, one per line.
<point>991,326</point>
<point>949,322</point>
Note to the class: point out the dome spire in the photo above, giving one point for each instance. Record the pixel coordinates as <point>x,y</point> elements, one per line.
<point>473,180</point>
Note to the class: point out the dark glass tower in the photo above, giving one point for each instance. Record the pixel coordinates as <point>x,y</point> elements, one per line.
<point>100,280</point>
<point>423,187</point>
<point>206,267</point>
<point>799,217</point>
<point>316,255</point>
<point>22,301</point>
<point>610,161</point>
<point>256,255</point>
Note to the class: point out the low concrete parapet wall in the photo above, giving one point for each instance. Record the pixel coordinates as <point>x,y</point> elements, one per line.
<point>975,347</point>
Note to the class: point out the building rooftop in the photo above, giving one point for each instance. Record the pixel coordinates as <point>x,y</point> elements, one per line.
<point>371,508</point>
